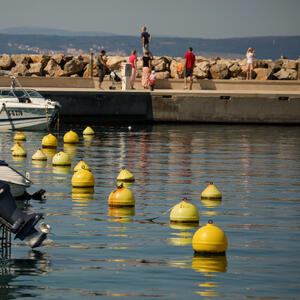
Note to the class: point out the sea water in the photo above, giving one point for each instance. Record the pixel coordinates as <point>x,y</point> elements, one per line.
<point>98,252</point>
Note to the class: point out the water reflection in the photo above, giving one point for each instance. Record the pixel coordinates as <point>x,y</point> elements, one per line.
<point>210,265</point>
<point>36,263</point>
<point>49,152</point>
<point>61,170</point>
<point>71,150</point>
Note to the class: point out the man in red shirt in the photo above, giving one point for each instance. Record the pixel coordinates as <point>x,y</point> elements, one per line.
<point>189,67</point>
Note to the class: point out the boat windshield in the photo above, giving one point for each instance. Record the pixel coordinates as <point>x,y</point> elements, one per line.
<point>7,93</point>
<point>34,94</point>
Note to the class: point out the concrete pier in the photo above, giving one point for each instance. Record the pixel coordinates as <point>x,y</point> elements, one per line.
<point>217,101</point>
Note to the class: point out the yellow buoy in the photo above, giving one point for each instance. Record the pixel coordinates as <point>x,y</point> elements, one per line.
<point>19,136</point>
<point>209,239</point>
<point>121,197</point>
<point>15,146</point>
<point>82,165</point>
<point>61,159</point>
<point>125,175</point>
<point>88,131</point>
<point>71,137</point>
<point>49,141</point>
<point>19,151</point>
<point>184,212</point>
<point>39,155</point>
<point>83,179</point>
<point>211,192</point>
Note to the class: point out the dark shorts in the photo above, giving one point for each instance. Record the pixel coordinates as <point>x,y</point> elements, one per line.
<point>188,72</point>
<point>101,74</point>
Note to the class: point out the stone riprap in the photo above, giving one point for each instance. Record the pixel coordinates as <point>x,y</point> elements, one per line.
<point>165,67</point>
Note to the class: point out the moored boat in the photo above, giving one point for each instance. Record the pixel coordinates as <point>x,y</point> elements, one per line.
<point>18,183</point>
<point>25,109</point>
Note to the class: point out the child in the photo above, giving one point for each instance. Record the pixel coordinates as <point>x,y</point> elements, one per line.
<point>152,80</point>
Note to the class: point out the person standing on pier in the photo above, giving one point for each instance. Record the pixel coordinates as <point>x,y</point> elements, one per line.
<point>189,65</point>
<point>146,40</point>
<point>250,60</point>
<point>133,61</point>
<point>146,70</point>
<point>102,67</point>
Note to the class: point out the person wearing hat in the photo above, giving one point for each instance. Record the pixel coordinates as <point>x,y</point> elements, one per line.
<point>250,55</point>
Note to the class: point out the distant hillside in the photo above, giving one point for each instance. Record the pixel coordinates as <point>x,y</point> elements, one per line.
<point>51,31</point>
<point>265,47</point>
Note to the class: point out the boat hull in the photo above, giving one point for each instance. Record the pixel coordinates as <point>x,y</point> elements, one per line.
<point>26,117</point>
<point>17,190</point>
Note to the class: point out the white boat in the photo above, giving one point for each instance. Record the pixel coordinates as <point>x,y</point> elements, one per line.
<point>17,182</point>
<point>25,109</point>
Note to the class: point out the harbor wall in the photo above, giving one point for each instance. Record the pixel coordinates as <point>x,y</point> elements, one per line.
<point>216,101</point>
<point>117,106</point>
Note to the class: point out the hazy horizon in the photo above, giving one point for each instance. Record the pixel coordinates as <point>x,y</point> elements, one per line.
<point>213,19</point>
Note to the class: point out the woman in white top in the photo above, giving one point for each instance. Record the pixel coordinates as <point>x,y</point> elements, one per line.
<point>250,58</point>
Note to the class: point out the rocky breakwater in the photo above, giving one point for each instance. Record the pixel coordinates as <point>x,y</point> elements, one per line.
<point>165,67</point>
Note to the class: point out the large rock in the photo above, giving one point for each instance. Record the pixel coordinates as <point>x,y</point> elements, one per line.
<point>286,74</point>
<point>74,66</point>
<point>86,73</point>
<point>5,62</point>
<point>53,69</point>
<point>35,69</point>
<point>59,58</point>
<point>235,70</point>
<point>290,64</point>
<point>115,62</point>
<point>21,59</point>
<point>173,67</point>
<point>159,65</point>
<point>262,63</point>
<point>199,74</point>
<point>163,75</point>
<point>37,58</point>
<point>19,70</point>
<point>263,74</point>
<point>219,71</point>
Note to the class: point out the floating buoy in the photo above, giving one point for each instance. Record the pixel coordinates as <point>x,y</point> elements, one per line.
<point>121,197</point>
<point>19,136</point>
<point>125,175</point>
<point>184,212</point>
<point>210,239</point>
<point>209,263</point>
<point>82,165</point>
<point>83,179</point>
<point>88,131</point>
<point>39,155</point>
<point>61,159</point>
<point>49,141</point>
<point>19,151</point>
<point>15,146</point>
<point>211,192</point>
<point>125,183</point>
<point>121,212</point>
<point>71,137</point>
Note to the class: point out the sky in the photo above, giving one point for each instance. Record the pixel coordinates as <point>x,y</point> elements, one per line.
<point>180,18</point>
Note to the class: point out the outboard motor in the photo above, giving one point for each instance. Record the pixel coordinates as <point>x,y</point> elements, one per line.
<point>19,222</point>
